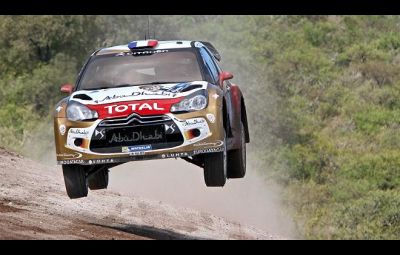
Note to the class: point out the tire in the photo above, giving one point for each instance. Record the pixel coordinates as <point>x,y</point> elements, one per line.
<point>76,182</point>
<point>99,179</point>
<point>215,166</point>
<point>237,158</point>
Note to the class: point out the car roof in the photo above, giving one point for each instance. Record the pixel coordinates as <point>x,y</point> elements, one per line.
<point>160,46</point>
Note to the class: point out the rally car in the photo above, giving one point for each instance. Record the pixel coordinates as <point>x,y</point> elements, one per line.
<point>150,99</point>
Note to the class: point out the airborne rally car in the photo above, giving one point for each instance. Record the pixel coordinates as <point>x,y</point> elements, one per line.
<point>150,100</point>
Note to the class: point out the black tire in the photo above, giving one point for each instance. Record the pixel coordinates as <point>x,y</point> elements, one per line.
<point>75,178</point>
<point>237,158</point>
<point>99,179</point>
<point>215,166</point>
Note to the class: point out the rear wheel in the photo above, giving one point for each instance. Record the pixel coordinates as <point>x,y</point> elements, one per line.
<point>215,166</point>
<point>76,182</point>
<point>99,179</point>
<point>237,158</point>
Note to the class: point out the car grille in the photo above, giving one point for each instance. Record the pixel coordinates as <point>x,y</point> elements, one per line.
<point>134,119</point>
<point>157,132</point>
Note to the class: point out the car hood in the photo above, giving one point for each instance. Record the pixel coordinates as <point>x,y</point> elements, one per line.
<point>133,93</point>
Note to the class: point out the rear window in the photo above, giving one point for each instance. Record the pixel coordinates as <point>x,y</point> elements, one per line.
<point>120,70</point>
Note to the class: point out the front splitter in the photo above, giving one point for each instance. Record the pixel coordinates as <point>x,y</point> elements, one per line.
<point>106,160</point>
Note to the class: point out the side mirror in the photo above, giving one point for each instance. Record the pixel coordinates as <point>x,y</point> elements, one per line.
<point>67,88</point>
<point>225,76</point>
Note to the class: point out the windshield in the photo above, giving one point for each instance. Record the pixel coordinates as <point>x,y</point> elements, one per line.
<point>110,71</point>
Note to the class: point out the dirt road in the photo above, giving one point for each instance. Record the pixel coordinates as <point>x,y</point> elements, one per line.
<point>34,205</point>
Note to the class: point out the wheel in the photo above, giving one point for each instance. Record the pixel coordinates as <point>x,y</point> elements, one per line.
<point>99,179</point>
<point>75,178</point>
<point>215,165</point>
<point>237,158</point>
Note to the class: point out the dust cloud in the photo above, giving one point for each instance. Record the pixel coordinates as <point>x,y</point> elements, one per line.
<point>174,181</point>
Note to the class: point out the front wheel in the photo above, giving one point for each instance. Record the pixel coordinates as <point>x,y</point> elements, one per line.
<point>99,179</point>
<point>215,165</point>
<point>76,182</point>
<point>237,158</point>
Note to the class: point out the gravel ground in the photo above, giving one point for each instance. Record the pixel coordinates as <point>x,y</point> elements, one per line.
<point>34,205</point>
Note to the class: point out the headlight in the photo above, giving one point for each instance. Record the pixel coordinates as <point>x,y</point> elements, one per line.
<point>77,111</point>
<point>191,103</point>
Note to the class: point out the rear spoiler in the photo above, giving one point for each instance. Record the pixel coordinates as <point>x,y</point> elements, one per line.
<point>212,49</point>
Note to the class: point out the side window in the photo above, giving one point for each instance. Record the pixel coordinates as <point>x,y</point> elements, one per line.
<point>209,64</point>
<point>214,61</point>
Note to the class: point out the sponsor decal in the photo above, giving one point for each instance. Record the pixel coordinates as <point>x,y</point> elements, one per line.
<point>215,96</point>
<point>137,53</point>
<point>62,129</point>
<point>137,148</point>
<point>72,161</point>
<point>178,88</point>
<point>79,131</point>
<point>175,155</point>
<point>135,137</point>
<point>147,52</point>
<point>142,107</point>
<point>147,92</point>
<point>208,150</point>
<point>58,109</point>
<point>210,144</point>
<point>192,122</point>
<point>75,155</point>
<point>152,88</point>
<point>136,153</point>
<point>211,117</point>
<point>100,161</point>
<point>133,107</point>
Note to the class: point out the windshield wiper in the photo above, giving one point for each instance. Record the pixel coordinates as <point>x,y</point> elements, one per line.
<point>97,88</point>
<point>115,86</point>
<point>137,84</point>
<point>159,82</point>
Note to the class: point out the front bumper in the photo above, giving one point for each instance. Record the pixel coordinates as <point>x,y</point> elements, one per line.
<point>179,140</point>
<point>113,160</point>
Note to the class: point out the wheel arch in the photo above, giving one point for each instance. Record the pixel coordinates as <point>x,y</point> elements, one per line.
<point>243,117</point>
<point>226,120</point>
